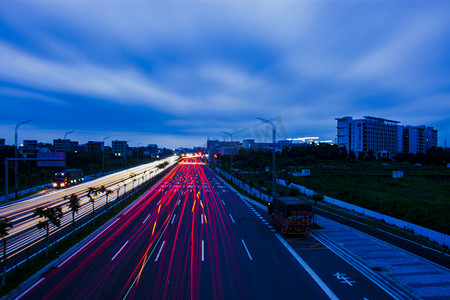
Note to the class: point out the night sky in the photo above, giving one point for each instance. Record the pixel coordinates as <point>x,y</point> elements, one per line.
<point>175,72</point>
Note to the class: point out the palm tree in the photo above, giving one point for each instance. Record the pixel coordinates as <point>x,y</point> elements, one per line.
<point>51,215</point>
<point>74,205</point>
<point>107,192</point>
<point>92,192</point>
<point>5,224</point>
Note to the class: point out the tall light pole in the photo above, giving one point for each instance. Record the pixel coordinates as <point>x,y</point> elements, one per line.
<point>16,167</point>
<point>65,137</point>
<point>231,136</point>
<point>103,154</point>
<point>274,163</point>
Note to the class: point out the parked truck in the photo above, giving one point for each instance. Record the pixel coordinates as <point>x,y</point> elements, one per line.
<point>292,215</point>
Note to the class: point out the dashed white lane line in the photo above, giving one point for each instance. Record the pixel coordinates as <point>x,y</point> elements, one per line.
<point>159,252</point>
<point>232,218</point>
<point>201,218</point>
<point>246,249</point>
<point>85,245</point>
<point>223,202</point>
<point>203,250</point>
<point>173,219</point>
<point>146,218</point>
<point>119,251</point>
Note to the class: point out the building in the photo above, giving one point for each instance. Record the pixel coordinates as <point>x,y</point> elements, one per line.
<point>119,148</point>
<point>29,148</point>
<point>151,150</point>
<point>248,144</point>
<point>384,138</point>
<point>64,145</point>
<point>418,139</point>
<point>92,146</point>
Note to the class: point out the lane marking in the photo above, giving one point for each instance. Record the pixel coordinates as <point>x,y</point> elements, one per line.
<point>157,256</point>
<point>173,219</point>
<point>201,218</point>
<point>119,251</point>
<point>223,202</point>
<point>146,218</point>
<point>308,269</point>
<point>203,250</point>
<point>85,245</point>
<point>30,288</point>
<point>247,250</point>
<point>232,218</point>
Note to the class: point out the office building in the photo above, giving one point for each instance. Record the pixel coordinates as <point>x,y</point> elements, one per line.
<point>384,138</point>
<point>120,148</point>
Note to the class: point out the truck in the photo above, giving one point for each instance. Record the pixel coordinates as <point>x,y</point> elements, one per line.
<point>292,215</point>
<point>68,177</point>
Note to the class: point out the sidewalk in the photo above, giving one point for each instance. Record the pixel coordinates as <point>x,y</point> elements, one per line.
<point>423,278</point>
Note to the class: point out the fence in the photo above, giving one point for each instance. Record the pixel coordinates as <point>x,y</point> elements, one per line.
<point>435,236</point>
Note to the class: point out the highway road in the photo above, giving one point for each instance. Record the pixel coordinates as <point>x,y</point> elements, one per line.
<point>189,237</point>
<point>25,234</point>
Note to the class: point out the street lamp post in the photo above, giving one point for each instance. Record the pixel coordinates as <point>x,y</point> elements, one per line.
<point>103,155</point>
<point>231,136</point>
<point>274,164</point>
<point>16,167</point>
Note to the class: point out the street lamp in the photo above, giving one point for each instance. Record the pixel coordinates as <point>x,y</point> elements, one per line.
<point>16,167</point>
<point>231,136</point>
<point>68,132</point>
<point>274,164</point>
<point>103,154</point>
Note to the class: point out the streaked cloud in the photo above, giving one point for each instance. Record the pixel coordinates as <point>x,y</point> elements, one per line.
<point>194,68</point>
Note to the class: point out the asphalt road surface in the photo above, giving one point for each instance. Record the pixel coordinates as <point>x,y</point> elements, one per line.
<point>189,237</point>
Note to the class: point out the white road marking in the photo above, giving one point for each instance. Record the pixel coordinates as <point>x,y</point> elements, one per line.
<point>202,218</point>
<point>246,249</point>
<point>157,256</point>
<point>119,251</point>
<point>146,218</point>
<point>85,245</point>
<point>232,218</point>
<point>173,219</point>
<point>203,250</point>
<point>308,269</point>
<point>29,289</point>
<point>223,202</point>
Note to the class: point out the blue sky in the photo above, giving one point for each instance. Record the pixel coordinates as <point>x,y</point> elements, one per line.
<point>176,72</point>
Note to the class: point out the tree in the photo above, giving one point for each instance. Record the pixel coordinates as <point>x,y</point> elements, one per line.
<point>51,215</point>
<point>92,192</point>
<point>74,205</point>
<point>5,224</point>
<point>107,192</point>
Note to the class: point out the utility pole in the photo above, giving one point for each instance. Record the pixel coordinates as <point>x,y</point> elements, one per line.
<point>16,166</point>
<point>274,163</point>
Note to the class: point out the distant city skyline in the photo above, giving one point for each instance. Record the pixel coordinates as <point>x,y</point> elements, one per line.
<point>174,73</point>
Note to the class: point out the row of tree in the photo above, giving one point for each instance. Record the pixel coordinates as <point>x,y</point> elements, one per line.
<point>51,216</point>
<point>324,154</point>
